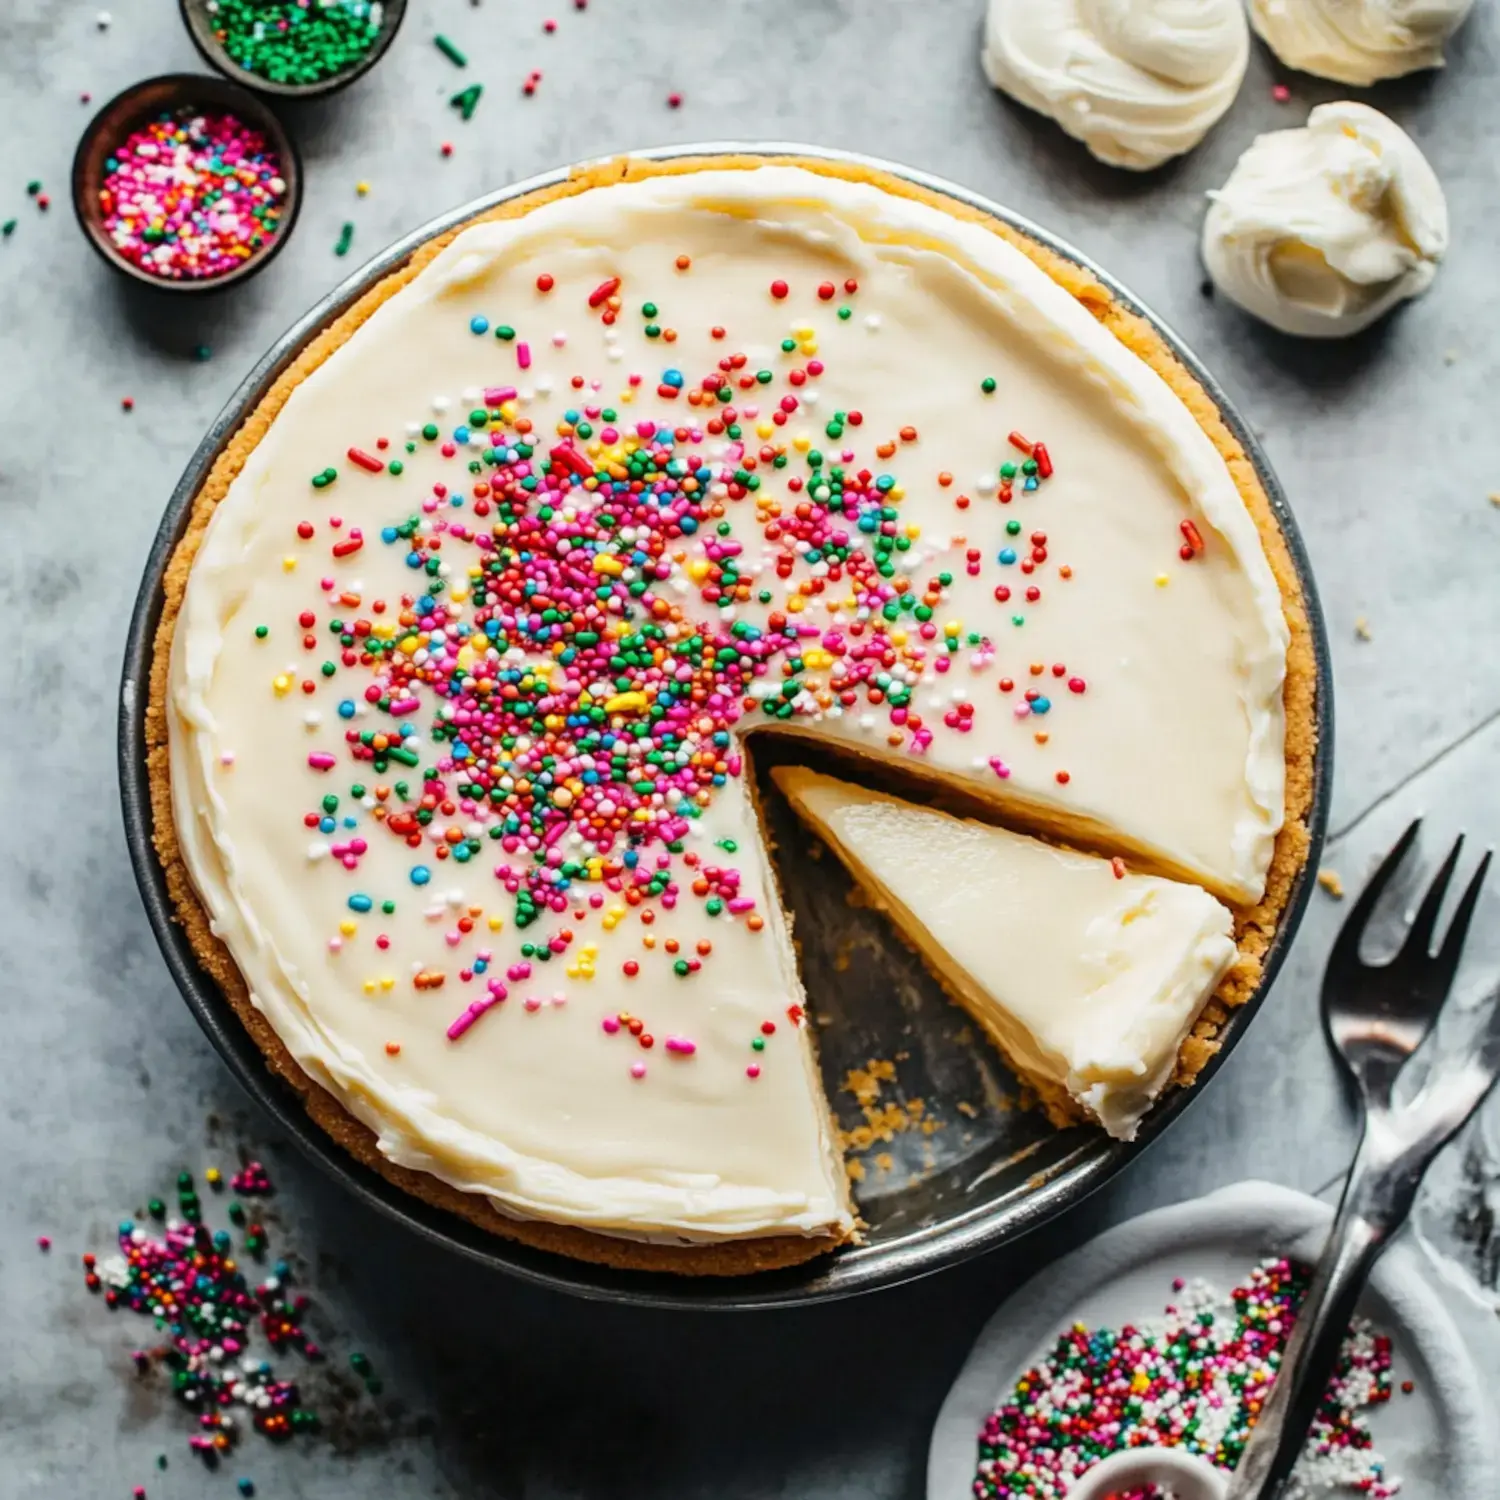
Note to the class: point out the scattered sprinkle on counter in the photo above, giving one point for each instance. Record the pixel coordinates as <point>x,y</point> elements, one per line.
<point>192,195</point>
<point>1332,882</point>
<point>296,41</point>
<point>1194,1379</point>
<point>190,1280</point>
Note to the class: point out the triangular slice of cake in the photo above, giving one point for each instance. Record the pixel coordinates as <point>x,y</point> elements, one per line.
<point>1087,977</point>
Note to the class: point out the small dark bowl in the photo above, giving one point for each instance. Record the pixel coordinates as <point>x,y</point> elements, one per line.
<point>199,22</point>
<point>165,95</point>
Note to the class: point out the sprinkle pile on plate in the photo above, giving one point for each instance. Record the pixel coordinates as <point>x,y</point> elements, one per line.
<point>1194,1380</point>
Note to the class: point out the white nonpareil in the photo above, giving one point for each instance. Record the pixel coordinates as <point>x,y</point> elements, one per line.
<point>1321,231</point>
<point>1358,41</point>
<point>1137,81</point>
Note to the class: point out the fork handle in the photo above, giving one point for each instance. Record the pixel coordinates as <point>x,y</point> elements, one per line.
<point>1377,1199</point>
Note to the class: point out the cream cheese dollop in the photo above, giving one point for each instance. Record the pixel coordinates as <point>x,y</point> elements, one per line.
<point>1358,41</point>
<point>1137,81</point>
<point>1322,230</point>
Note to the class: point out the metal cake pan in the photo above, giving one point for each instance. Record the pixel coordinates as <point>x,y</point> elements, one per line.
<point>968,1182</point>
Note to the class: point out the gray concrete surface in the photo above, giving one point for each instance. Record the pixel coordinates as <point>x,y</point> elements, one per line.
<point>1388,446</point>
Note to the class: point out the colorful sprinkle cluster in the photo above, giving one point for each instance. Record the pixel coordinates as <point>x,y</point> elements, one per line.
<point>1195,1380</point>
<point>192,195</point>
<point>188,1280</point>
<point>296,41</point>
<point>598,611</point>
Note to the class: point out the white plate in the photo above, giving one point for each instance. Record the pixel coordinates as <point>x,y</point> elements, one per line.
<point>1440,1440</point>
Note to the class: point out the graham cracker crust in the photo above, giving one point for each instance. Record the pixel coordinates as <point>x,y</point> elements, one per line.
<point>1254,927</point>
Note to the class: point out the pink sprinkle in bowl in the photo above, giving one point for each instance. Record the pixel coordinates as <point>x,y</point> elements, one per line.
<point>170,94</point>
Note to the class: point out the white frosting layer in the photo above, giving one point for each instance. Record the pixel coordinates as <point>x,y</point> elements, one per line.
<point>1177,743</point>
<point>1086,980</point>
<point>1358,41</point>
<point>1137,81</point>
<point>1321,231</point>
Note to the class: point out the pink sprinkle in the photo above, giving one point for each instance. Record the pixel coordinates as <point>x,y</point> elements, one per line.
<point>523,355</point>
<point>532,1004</point>
<point>611,1024</point>
<point>753,1071</point>
<point>43,1242</point>
<point>470,1015</point>
<point>498,395</point>
<point>638,1070</point>
<point>1280,93</point>
<point>681,1045</point>
<point>321,760</point>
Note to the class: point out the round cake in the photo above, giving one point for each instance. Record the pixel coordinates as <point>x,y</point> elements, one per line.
<point>481,615</point>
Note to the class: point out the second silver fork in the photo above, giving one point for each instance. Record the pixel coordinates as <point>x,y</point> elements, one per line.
<point>1376,1018</point>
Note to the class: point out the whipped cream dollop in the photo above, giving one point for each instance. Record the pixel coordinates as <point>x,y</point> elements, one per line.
<point>1137,81</point>
<point>1358,41</point>
<point>1320,231</point>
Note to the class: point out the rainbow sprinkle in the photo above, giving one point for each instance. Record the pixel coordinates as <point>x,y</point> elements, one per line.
<point>1195,1380</point>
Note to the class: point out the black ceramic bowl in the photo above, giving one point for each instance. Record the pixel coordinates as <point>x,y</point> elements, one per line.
<point>986,1178</point>
<point>199,20</point>
<point>143,102</point>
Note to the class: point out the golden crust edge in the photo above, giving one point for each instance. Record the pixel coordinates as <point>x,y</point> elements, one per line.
<point>1255,927</point>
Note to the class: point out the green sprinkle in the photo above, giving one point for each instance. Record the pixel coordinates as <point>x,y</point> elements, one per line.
<point>466,101</point>
<point>262,631</point>
<point>8,228</point>
<point>987,385</point>
<point>450,51</point>
<point>345,239</point>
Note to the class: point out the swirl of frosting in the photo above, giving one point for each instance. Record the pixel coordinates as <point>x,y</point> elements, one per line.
<point>1320,231</point>
<point>1358,41</point>
<point>1137,81</point>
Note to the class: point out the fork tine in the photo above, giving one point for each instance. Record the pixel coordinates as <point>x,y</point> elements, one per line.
<point>1417,946</point>
<point>1345,955</point>
<point>1446,963</point>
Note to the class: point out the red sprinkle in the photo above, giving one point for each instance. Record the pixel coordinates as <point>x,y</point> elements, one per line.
<point>601,293</point>
<point>365,460</point>
<point>1043,460</point>
<point>779,289</point>
<point>1017,441</point>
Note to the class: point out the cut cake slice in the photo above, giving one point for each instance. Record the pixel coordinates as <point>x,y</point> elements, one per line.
<point>1087,977</point>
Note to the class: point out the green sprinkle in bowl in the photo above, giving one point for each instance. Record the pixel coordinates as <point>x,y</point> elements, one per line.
<point>333,64</point>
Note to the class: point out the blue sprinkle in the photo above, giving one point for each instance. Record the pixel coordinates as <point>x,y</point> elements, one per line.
<point>1030,483</point>
<point>1007,555</point>
<point>460,434</point>
<point>631,859</point>
<point>479,324</point>
<point>420,874</point>
<point>672,378</point>
<point>245,1486</point>
<point>1040,705</point>
<point>351,822</point>
<point>360,903</point>
<point>687,525</point>
<point>389,534</point>
<point>346,709</point>
<point>327,825</point>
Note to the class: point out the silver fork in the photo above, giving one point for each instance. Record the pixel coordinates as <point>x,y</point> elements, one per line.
<point>1376,1017</point>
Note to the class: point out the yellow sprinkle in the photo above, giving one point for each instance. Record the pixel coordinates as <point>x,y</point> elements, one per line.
<point>623,701</point>
<point>362,188</point>
<point>496,923</point>
<point>348,928</point>
<point>410,645</point>
<point>282,683</point>
<point>796,604</point>
<point>898,638</point>
<point>808,346</point>
<point>817,658</point>
<point>387,981</point>
<point>213,1176</point>
<point>802,444</point>
<point>1162,580</point>
<point>289,564</point>
<point>369,986</point>
<point>1330,881</point>
<point>765,429</point>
